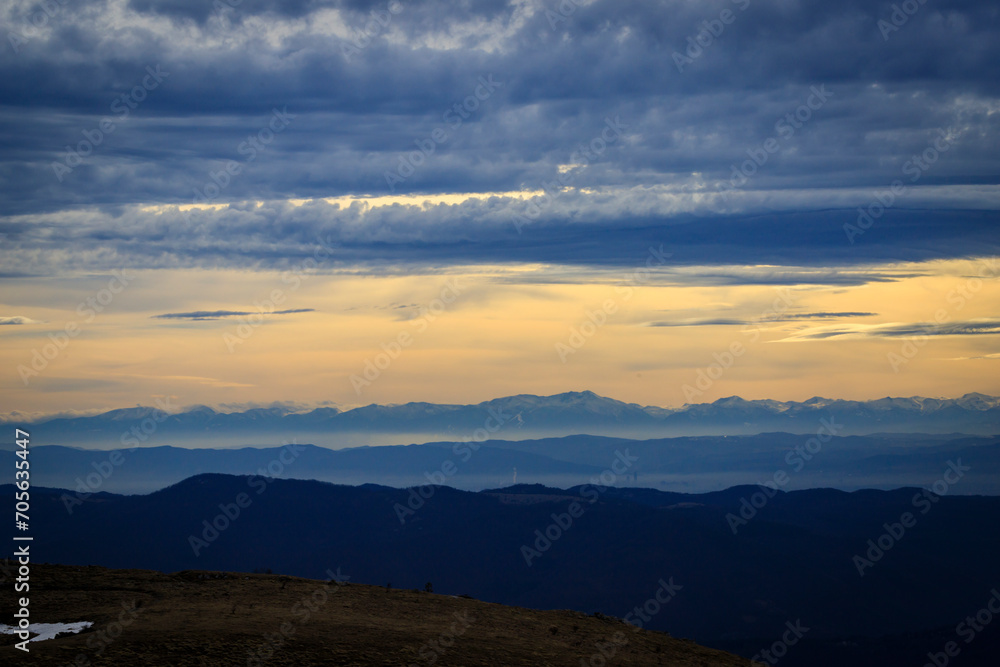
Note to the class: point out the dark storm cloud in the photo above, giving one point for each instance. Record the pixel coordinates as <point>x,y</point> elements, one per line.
<point>740,322</point>
<point>360,10</point>
<point>978,327</point>
<point>825,316</point>
<point>200,11</point>
<point>322,236</point>
<point>356,107</point>
<point>219,314</point>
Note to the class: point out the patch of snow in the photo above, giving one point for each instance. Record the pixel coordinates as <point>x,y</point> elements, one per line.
<point>47,630</point>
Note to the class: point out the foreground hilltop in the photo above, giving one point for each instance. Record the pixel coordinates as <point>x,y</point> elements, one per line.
<point>748,563</point>
<point>210,618</point>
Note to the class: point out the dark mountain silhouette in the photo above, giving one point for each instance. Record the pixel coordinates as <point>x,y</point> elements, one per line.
<point>792,559</point>
<point>696,463</point>
<point>148,468</point>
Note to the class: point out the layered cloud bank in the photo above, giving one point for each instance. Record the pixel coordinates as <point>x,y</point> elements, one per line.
<point>639,120</point>
<point>260,197</point>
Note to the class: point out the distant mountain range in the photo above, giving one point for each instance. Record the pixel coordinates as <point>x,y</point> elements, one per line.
<point>520,417</point>
<point>792,559</point>
<point>690,464</point>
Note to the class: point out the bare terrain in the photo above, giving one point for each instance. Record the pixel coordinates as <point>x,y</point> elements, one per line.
<point>143,617</point>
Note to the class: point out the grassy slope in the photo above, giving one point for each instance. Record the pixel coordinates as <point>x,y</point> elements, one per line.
<point>198,618</point>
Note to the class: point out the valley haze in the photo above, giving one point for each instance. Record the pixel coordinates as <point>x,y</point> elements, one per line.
<point>847,445</point>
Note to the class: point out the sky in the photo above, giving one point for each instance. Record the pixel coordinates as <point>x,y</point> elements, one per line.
<point>345,202</point>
